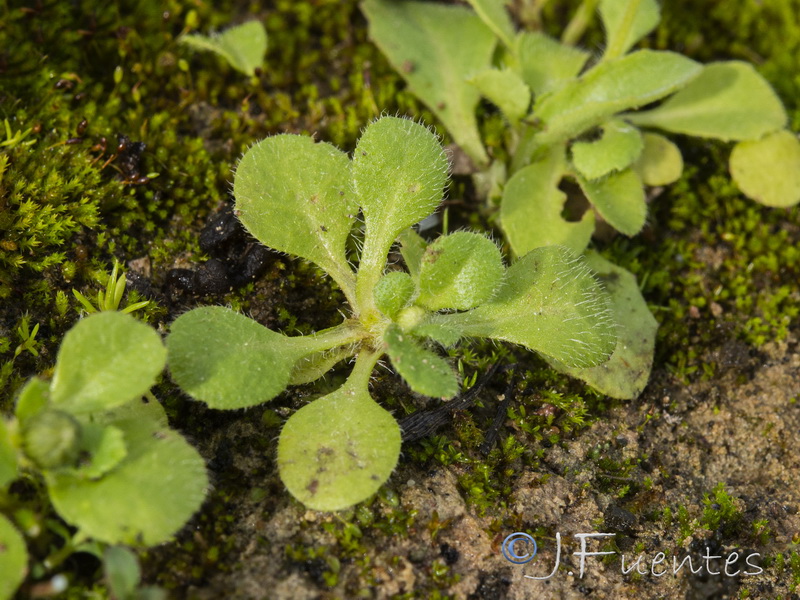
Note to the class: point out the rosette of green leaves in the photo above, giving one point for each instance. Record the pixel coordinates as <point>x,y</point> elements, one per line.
<point>112,466</point>
<point>302,197</point>
<point>571,116</point>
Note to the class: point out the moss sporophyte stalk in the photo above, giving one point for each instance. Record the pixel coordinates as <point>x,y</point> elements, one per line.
<point>302,197</point>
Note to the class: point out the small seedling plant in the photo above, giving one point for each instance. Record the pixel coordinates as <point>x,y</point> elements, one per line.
<point>303,198</point>
<point>111,465</point>
<point>572,115</point>
<point>598,121</point>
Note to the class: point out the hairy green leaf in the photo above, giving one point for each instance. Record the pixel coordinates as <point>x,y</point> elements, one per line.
<point>626,22</point>
<point>550,303</point>
<point>768,170</point>
<point>13,559</point>
<point>146,498</point>
<point>532,205</point>
<point>611,87</point>
<point>494,14</point>
<point>425,372</point>
<point>210,347</point>
<point>459,271</point>
<point>243,46</point>
<point>660,163</point>
<point>52,439</point>
<point>338,450</point>
<point>107,359</point>
<point>620,199</point>
<point>412,247</point>
<point>506,90</point>
<point>393,292</point>
<point>625,374</point>
<point>8,456</point>
<point>399,174</point>
<point>425,43</point>
<point>547,64</point>
<point>727,101</point>
<point>620,145</point>
<point>294,196</point>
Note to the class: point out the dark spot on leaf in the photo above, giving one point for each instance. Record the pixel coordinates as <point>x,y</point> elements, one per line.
<point>323,228</point>
<point>314,199</point>
<point>312,487</point>
<point>408,66</point>
<point>441,106</point>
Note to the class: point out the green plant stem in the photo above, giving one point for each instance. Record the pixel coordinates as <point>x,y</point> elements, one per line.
<point>349,332</point>
<point>362,371</point>
<point>370,269</point>
<point>63,553</point>
<point>346,281</point>
<point>579,22</point>
<point>617,48</point>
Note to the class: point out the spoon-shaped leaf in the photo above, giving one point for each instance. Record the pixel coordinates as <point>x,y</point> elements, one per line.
<point>243,46</point>
<point>620,199</point>
<point>620,145</point>
<point>625,374</point>
<point>550,303</point>
<point>768,170</point>
<point>626,22</point>
<point>211,348</point>
<point>338,450</point>
<point>146,498</point>
<point>425,372</point>
<point>107,359</point>
<point>459,271</point>
<point>13,559</point>
<point>425,42</point>
<point>532,205</point>
<point>727,101</point>
<point>294,195</point>
<point>611,87</point>
<point>660,163</point>
<point>399,174</point>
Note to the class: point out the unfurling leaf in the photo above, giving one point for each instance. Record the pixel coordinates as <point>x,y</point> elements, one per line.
<point>626,22</point>
<point>105,446</point>
<point>611,87</point>
<point>550,303</point>
<point>393,292</point>
<point>727,101</point>
<point>532,205</point>
<point>425,42</point>
<point>338,450</point>
<point>295,196</point>
<point>619,198</point>
<point>106,360</point>
<point>147,497</point>
<point>660,163</point>
<point>459,271</point>
<point>13,559</point>
<point>620,145</point>
<point>210,347</point>
<point>625,374</point>
<point>425,372</point>
<point>243,46</point>
<point>399,174</point>
<point>506,91</point>
<point>547,64</point>
<point>768,170</point>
